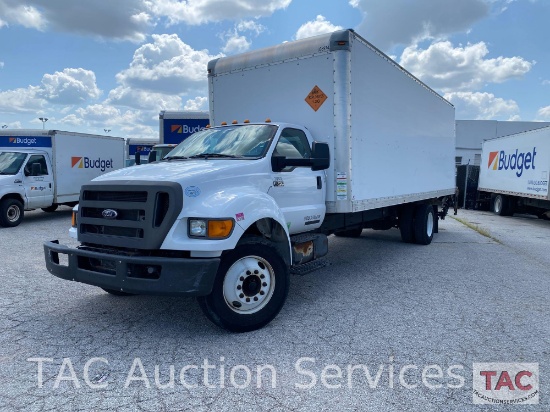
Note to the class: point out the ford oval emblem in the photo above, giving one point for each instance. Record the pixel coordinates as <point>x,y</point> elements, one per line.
<point>109,214</point>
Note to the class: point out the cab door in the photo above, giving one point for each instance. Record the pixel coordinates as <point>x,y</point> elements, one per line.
<point>299,191</point>
<point>38,181</point>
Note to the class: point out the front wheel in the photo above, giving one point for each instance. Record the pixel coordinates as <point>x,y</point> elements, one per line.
<point>11,212</point>
<point>250,288</point>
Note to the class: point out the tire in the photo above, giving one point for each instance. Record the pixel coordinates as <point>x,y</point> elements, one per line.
<point>502,205</point>
<point>11,212</point>
<point>117,292</point>
<point>350,232</point>
<point>544,215</point>
<point>424,224</point>
<point>406,224</point>
<point>51,208</point>
<point>250,288</point>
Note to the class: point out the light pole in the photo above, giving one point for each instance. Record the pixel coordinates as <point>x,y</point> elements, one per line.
<point>106,130</point>
<point>43,120</point>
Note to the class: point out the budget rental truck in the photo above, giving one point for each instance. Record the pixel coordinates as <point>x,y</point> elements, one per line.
<point>42,169</point>
<point>514,173</point>
<point>320,136</point>
<point>174,127</point>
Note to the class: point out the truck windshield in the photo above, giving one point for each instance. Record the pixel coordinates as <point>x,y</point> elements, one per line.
<point>10,162</point>
<point>244,141</point>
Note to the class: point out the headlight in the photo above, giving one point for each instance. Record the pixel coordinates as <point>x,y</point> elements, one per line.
<point>211,228</point>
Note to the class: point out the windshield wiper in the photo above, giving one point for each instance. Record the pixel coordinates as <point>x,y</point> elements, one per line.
<point>207,155</point>
<point>174,158</point>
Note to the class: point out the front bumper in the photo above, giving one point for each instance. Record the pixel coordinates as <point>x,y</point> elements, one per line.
<point>132,274</point>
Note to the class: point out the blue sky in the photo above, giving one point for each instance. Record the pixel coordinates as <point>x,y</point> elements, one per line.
<point>88,66</point>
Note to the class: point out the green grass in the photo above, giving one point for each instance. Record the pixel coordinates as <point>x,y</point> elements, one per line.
<point>478,229</point>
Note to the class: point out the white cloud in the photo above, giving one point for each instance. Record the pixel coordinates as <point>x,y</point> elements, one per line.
<point>195,12</point>
<point>236,44</point>
<point>250,25</point>
<point>386,23</point>
<point>1,65</point>
<point>28,16</point>
<point>122,20</point>
<point>198,103</point>
<point>71,86</point>
<point>121,122</point>
<point>544,113</point>
<point>315,27</point>
<point>22,100</point>
<point>167,65</point>
<point>546,82</point>
<point>482,106</point>
<point>449,68</point>
<point>140,99</point>
<point>235,41</point>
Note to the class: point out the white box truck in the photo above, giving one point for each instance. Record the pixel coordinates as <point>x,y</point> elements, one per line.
<point>46,168</point>
<point>514,171</point>
<point>138,148</point>
<point>355,142</point>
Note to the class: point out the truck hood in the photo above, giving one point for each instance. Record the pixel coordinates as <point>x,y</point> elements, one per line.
<point>184,170</point>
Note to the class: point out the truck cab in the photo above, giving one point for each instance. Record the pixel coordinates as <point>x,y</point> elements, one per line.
<point>26,183</point>
<point>225,202</point>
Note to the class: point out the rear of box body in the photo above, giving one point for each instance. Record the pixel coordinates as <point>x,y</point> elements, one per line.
<point>517,165</point>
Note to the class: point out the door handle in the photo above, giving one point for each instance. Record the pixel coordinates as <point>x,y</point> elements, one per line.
<point>319,182</point>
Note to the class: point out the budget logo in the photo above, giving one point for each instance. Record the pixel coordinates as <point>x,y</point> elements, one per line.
<point>12,139</point>
<point>77,160</point>
<point>84,162</point>
<point>493,160</point>
<point>176,128</point>
<point>516,161</point>
<point>505,383</point>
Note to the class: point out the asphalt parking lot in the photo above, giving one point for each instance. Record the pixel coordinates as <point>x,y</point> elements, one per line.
<point>384,326</point>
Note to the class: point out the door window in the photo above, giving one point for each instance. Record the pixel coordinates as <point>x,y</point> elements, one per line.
<point>293,144</point>
<point>39,160</point>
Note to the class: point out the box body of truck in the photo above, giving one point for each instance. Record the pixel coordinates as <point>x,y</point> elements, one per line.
<point>175,126</point>
<point>391,137</point>
<point>64,162</point>
<point>514,171</point>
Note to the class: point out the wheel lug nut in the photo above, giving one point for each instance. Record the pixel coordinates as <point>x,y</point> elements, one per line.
<point>241,295</point>
<point>264,284</point>
<point>255,298</point>
<point>256,272</point>
<point>248,299</point>
<point>262,292</point>
<point>239,287</point>
<point>262,276</point>
<point>241,278</point>
<point>248,272</point>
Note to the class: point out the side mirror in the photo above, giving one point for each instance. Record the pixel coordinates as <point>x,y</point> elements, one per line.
<point>320,159</point>
<point>152,156</point>
<point>137,157</point>
<point>320,156</point>
<point>278,163</point>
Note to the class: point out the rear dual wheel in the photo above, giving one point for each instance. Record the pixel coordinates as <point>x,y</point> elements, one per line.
<point>417,223</point>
